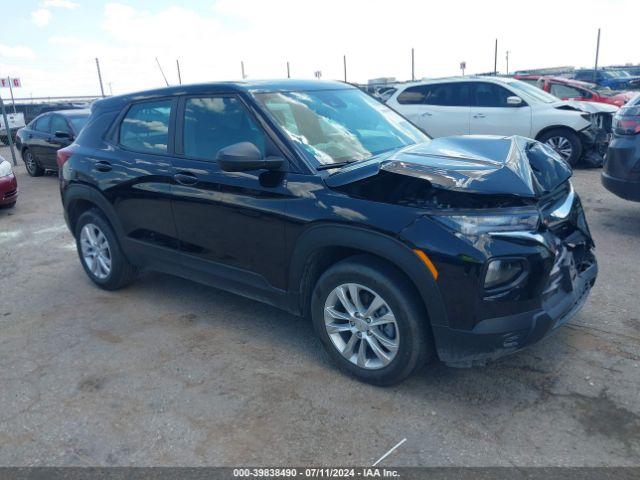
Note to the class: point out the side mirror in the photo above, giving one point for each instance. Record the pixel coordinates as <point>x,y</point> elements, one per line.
<point>63,135</point>
<point>245,156</point>
<point>514,101</point>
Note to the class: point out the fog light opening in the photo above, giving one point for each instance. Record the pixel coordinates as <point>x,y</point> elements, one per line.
<point>502,273</point>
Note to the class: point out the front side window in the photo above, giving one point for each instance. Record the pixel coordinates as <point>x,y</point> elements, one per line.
<point>59,124</point>
<point>332,126</point>
<point>565,91</point>
<point>213,123</point>
<point>490,95</point>
<point>145,127</point>
<point>78,122</point>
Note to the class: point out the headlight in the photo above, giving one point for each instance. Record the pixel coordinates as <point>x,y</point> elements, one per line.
<point>5,168</point>
<point>477,224</point>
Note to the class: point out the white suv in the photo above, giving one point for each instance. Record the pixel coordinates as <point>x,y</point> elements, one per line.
<point>495,106</point>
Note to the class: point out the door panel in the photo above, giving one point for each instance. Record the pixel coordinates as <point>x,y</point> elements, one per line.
<point>230,219</point>
<point>52,143</point>
<point>491,115</point>
<point>440,109</point>
<point>138,183</point>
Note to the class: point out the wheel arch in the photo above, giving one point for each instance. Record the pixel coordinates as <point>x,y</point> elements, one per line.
<point>555,127</point>
<point>77,199</point>
<point>323,245</point>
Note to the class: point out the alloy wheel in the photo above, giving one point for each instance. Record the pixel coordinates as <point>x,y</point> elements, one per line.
<point>561,145</point>
<point>96,252</point>
<point>361,326</point>
<point>30,162</point>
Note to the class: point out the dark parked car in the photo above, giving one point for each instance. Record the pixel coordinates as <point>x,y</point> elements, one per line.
<point>39,141</point>
<point>316,198</point>
<point>614,79</point>
<point>621,172</point>
<point>8,185</point>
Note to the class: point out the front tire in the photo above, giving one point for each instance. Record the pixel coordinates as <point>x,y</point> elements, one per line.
<point>565,142</point>
<point>31,164</point>
<point>370,320</point>
<point>100,253</point>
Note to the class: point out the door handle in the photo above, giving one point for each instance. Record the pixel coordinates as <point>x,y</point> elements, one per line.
<point>479,115</point>
<point>103,166</point>
<point>426,114</point>
<point>185,178</point>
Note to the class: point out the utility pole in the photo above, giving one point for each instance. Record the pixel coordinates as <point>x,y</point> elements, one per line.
<point>6,127</point>
<point>242,69</point>
<point>288,71</point>
<point>162,72</point>
<point>507,62</point>
<point>413,66</point>
<point>495,59</point>
<point>13,102</point>
<point>344,64</point>
<point>110,89</point>
<point>179,76</point>
<point>595,70</point>
<point>99,76</point>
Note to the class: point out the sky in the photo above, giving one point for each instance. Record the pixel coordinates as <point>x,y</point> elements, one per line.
<point>51,45</point>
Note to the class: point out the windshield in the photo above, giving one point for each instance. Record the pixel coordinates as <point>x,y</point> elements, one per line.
<point>616,74</point>
<point>334,126</point>
<point>78,122</point>
<point>534,93</point>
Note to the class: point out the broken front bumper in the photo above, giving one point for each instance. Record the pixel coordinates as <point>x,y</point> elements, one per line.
<point>493,338</point>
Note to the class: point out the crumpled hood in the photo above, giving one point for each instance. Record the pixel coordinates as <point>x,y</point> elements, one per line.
<point>587,107</point>
<point>473,164</point>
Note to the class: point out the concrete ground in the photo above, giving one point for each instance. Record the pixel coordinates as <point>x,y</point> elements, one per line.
<point>169,372</point>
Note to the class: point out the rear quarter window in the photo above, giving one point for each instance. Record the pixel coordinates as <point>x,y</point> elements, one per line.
<point>145,127</point>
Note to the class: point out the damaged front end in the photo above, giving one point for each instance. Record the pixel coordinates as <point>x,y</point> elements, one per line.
<point>502,224</point>
<point>595,139</point>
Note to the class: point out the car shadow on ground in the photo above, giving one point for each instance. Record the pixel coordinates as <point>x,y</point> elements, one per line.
<point>296,336</point>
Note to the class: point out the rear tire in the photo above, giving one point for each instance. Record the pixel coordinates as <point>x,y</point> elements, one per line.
<point>565,142</point>
<point>100,253</point>
<point>31,163</point>
<point>368,344</point>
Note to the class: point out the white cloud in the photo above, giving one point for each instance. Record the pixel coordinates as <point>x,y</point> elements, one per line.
<point>41,17</point>
<point>68,4</point>
<point>376,36</point>
<point>17,51</point>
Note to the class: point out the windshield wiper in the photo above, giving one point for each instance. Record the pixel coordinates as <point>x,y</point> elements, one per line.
<point>329,166</point>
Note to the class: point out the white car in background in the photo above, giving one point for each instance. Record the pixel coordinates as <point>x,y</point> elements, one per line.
<point>504,106</point>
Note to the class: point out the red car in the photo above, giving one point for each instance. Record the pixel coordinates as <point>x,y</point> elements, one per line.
<point>8,184</point>
<point>568,89</point>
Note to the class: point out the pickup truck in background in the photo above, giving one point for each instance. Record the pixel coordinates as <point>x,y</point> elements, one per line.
<point>16,121</point>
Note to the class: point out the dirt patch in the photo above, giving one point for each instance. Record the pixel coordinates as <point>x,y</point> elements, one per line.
<point>600,415</point>
<point>92,384</point>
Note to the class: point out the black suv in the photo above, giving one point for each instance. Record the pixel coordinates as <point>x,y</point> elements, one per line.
<point>316,198</point>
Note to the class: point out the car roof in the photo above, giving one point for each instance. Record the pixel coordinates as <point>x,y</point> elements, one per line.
<point>467,78</point>
<point>72,112</point>
<point>247,86</point>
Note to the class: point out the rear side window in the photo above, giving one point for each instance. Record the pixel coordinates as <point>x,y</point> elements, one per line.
<point>490,95</point>
<point>42,124</point>
<point>442,94</point>
<point>213,123</point>
<point>413,95</point>
<point>145,127</point>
